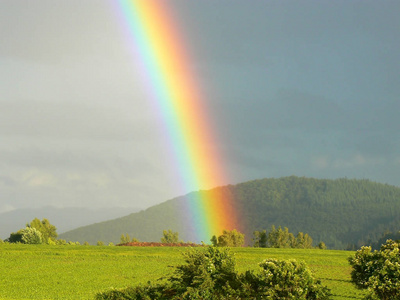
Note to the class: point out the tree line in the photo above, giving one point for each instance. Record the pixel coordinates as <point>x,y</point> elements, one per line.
<point>282,238</point>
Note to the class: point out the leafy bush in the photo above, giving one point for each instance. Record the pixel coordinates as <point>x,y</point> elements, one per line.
<point>211,274</point>
<point>15,237</point>
<point>31,235</point>
<point>378,271</point>
<point>206,273</point>
<point>283,279</point>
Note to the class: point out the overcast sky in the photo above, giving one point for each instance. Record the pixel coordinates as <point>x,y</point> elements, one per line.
<point>306,88</point>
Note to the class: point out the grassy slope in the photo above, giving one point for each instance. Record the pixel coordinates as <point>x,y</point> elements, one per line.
<point>79,272</point>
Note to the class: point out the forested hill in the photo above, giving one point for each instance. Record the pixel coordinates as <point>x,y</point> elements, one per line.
<point>339,212</point>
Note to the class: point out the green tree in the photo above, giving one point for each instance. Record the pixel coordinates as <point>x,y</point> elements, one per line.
<point>31,236</point>
<point>15,237</point>
<point>48,231</point>
<point>256,239</point>
<point>303,241</point>
<point>125,239</point>
<point>170,237</point>
<point>281,238</point>
<point>260,239</point>
<point>231,238</point>
<point>214,241</point>
<point>100,243</point>
<point>378,271</point>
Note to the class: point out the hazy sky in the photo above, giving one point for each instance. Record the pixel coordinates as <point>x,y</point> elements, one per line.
<point>306,88</point>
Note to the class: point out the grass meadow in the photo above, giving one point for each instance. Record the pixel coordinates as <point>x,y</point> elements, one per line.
<point>79,272</point>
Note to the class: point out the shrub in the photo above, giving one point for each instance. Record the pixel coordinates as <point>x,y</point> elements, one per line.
<point>283,279</point>
<point>211,274</point>
<point>378,271</point>
<point>206,273</point>
<point>51,241</point>
<point>15,237</point>
<point>31,235</point>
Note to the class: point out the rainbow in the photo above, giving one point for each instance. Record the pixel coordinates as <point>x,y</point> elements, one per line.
<point>165,60</point>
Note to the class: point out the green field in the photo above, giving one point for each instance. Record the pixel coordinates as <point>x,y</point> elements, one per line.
<point>79,272</point>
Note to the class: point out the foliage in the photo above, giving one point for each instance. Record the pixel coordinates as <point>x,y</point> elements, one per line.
<point>229,238</point>
<point>211,274</point>
<point>378,271</point>
<point>214,241</point>
<point>206,273</point>
<point>15,237</point>
<point>282,238</point>
<point>127,239</point>
<point>170,237</point>
<point>48,231</point>
<point>148,292</point>
<point>100,243</point>
<point>31,236</point>
<point>322,246</point>
<point>260,239</point>
<point>388,235</point>
<point>303,241</point>
<point>278,238</point>
<point>283,279</point>
<point>70,243</point>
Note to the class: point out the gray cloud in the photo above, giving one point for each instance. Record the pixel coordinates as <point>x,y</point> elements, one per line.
<point>70,120</point>
<point>308,89</point>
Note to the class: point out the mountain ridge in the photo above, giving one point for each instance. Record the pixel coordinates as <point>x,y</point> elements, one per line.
<point>340,212</point>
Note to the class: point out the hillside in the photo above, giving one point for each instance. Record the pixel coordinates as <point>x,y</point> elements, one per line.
<point>338,212</point>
